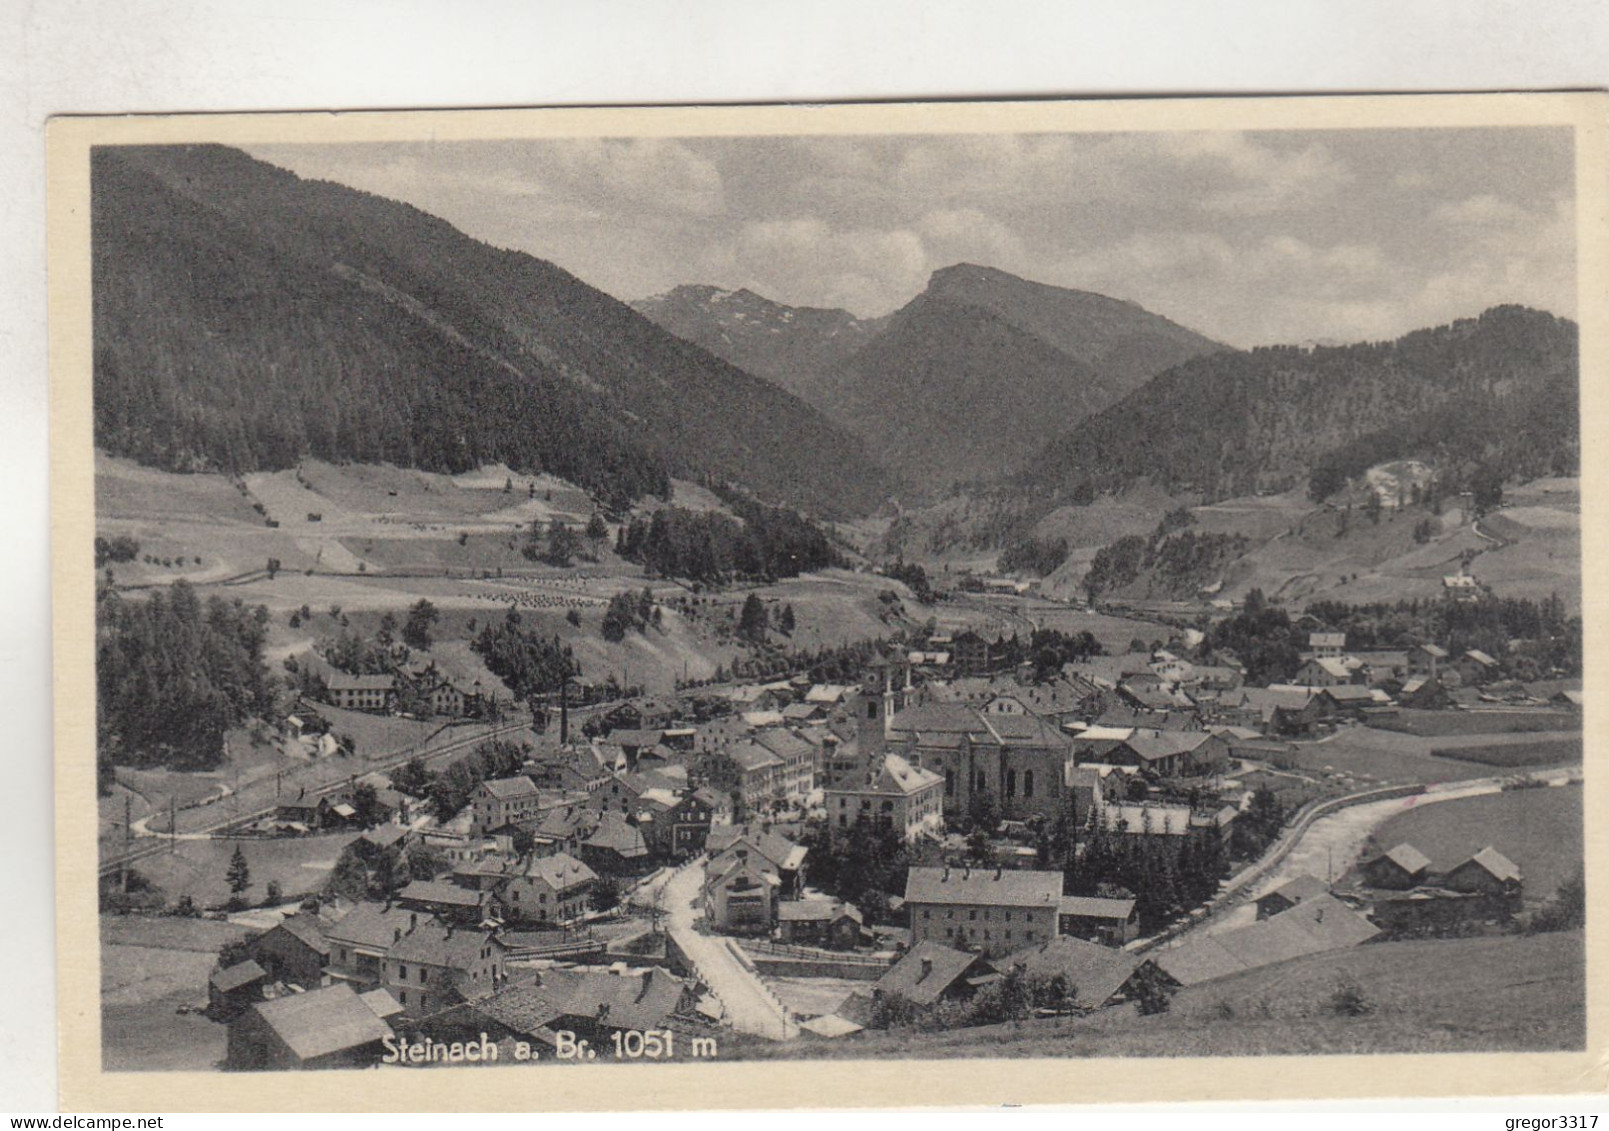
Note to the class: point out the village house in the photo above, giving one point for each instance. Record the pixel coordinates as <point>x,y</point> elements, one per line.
<point>768,849</point>
<point>1426,660</point>
<point>1477,669</point>
<point>758,774</point>
<point>931,973</point>
<point>1488,872</point>
<point>1170,753</point>
<point>551,889</point>
<point>795,779</point>
<point>372,693</point>
<point>689,821</point>
<point>829,923</point>
<point>450,901</point>
<point>971,654</point>
<point>1110,922</point>
<point>233,989</point>
<point>592,1004</point>
<point>1401,868</point>
<point>741,893</point>
<point>359,940</point>
<point>1289,895</point>
<point>616,847</point>
<point>992,910</point>
<point>1327,645</point>
<point>324,1028</point>
<point>1094,975</point>
<point>1323,671</point>
<point>890,794</point>
<point>294,951</point>
<point>437,964</point>
<point>1316,925</point>
<point>1425,693</point>
<point>563,829</point>
<point>1461,587</point>
<point>504,802</point>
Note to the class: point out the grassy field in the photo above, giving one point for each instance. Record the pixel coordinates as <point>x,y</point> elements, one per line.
<point>1506,993</point>
<point>1389,758</point>
<point>150,967</point>
<point>1539,829</point>
<point>1478,722</point>
<point>1518,753</point>
<point>197,868</point>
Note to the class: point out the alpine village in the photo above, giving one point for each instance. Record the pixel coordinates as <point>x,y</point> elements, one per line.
<point>491,671</point>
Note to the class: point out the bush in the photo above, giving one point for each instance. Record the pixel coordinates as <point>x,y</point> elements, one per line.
<point>1349,1000</point>
<point>1151,992</point>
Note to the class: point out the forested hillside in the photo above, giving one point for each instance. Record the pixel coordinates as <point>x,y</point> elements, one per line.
<point>1494,396</point>
<point>245,318</point>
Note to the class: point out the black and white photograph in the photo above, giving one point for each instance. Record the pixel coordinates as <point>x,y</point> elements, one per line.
<point>956,585</point>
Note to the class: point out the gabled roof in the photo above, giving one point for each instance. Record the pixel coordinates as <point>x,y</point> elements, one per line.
<point>561,871</point>
<point>1406,857</point>
<point>306,928</point>
<point>1332,666</point>
<point>1495,864</point>
<point>1095,973</point>
<point>1480,658</point>
<point>1313,926</point>
<point>1326,640</point>
<point>636,738</point>
<point>232,978</point>
<point>321,1022</point>
<point>624,1001</point>
<point>751,756</point>
<point>785,744</point>
<point>828,693</point>
<point>440,892</point>
<point>509,789</point>
<point>340,681</point>
<point>1094,907</point>
<point>782,853</point>
<point>927,971</point>
<point>892,776</point>
<point>1435,650</point>
<point>615,834</point>
<point>1155,820</point>
<point>984,887</point>
<point>440,944</point>
<point>1350,693</point>
<point>381,1002</point>
<point>1152,746</point>
<point>816,911</point>
<point>371,925</point>
<point>1302,888</point>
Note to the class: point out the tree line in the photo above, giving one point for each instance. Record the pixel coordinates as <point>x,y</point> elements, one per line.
<point>172,675</point>
<point>714,548</point>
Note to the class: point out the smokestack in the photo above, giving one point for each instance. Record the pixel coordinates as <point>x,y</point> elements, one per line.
<point>564,712</point>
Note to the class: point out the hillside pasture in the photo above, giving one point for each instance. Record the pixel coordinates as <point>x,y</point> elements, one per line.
<point>1383,758</point>
<point>1503,720</point>
<point>198,868</point>
<point>1501,993</point>
<point>1539,829</point>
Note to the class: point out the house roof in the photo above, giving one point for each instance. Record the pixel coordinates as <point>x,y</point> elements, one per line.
<point>830,1025</point>
<point>1435,650</point>
<point>561,871</point>
<point>1302,888</point>
<point>440,891</point>
<point>232,978</point>
<point>1326,640</point>
<point>1497,865</point>
<point>636,738</point>
<point>1350,693</point>
<point>627,1001</point>
<point>782,853</point>
<point>306,928</point>
<point>441,944</point>
<point>381,1002</point>
<point>1480,658</point>
<point>1094,972</point>
<point>1092,907</point>
<point>1152,746</point>
<point>890,775</point>
<point>989,887</point>
<point>1315,925</point>
<point>324,1021</point>
<point>340,681</point>
<point>508,789</point>
<point>615,834</point>
<point>785,745</point>
<point>371,925</point>
<point>1406,857</point>
<point>1158,820</point>
<point>926,972</point>
<point>816,911</point>
<point>826,693</point>
<point>751,756</point>
<point>1332,666</point>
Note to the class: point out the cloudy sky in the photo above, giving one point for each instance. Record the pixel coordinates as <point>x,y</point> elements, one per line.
<point>1250,238</point>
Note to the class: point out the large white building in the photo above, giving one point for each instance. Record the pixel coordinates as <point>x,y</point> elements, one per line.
<point>891,793</point>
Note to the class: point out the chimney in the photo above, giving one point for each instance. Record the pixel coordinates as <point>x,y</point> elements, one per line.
<point>946,877</point>
<point>396,934</point>
<point>997,872</point>
<point>413,921</point>
<point>927,968</point>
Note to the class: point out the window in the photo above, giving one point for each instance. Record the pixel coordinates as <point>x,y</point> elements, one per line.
<point>1008,936</point>
<point>1011,783</point>
<point>949,782</point>
<point>926,914</point>
<point>985,914</point>
<point>423,975</point>
<point>1027,783</point>
<point>973,914</point>
<point>1008,916</point>
<point>1029,935</point>
<point>949,932</point>
<point>402,998</point>
<point>402,973</point>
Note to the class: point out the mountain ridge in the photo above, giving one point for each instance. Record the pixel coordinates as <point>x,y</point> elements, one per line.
<point>246,317</point>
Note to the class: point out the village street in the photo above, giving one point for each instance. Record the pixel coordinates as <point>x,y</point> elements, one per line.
<point>750,1007</point>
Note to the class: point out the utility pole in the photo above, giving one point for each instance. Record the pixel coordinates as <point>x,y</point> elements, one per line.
<point>128,834</point>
